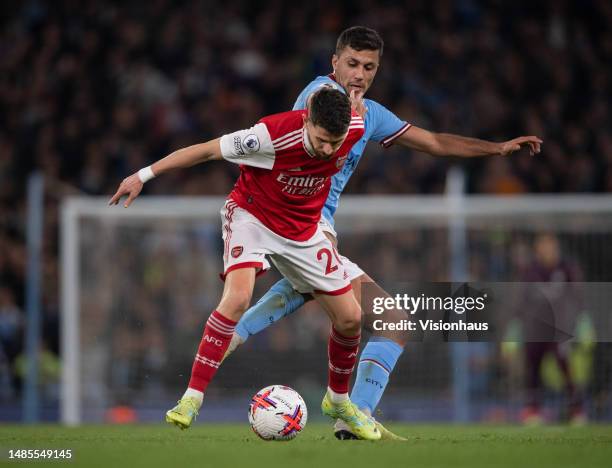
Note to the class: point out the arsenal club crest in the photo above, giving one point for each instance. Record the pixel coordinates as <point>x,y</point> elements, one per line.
<point>237,251</point>
<point>340,161</point>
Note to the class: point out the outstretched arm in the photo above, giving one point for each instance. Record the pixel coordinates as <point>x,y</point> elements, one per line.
<point>445,144</point>
<point>184,157</point>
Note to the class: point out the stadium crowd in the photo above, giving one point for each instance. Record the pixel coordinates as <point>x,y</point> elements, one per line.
<point>91,91</point>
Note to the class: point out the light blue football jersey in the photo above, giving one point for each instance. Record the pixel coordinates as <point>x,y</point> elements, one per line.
<point>381,126</point>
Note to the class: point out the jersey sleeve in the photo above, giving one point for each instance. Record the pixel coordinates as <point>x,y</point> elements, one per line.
<point>251,147</point>
<point>387,126</point>
<point>320,82</point>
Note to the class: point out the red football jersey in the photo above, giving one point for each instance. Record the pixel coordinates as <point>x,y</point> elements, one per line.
<point>280,182</point>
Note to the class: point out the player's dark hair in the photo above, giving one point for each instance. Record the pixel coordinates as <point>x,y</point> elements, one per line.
<point>360,38</point>
<point>331,110</point>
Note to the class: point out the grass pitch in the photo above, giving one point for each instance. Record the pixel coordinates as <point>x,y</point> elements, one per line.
<point>220,446</point>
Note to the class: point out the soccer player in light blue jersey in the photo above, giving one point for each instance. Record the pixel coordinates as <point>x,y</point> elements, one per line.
<point>355,63</point>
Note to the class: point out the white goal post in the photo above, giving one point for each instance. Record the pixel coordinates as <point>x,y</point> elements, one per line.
<point>363,213</point>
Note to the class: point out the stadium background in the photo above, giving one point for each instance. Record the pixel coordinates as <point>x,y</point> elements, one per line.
<point>92,91</point>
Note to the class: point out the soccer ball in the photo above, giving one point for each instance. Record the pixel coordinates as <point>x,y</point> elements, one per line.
<point>277,412</point>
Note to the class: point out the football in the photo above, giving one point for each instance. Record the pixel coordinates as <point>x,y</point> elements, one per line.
<point>277,412</point>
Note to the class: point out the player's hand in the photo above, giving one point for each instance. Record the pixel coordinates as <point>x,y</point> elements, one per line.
<point>131,186</point>
<point>357,103</point>
<point>509,147</point>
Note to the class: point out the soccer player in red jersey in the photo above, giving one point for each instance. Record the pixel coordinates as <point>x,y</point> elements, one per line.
<point>355,64</point>
<point>286,164</point>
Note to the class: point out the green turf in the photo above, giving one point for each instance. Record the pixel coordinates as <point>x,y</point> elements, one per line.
<point>223,446</point>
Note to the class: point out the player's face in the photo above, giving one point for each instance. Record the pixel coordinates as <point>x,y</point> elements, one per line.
<point>323,143</point>
<point>355,69</point>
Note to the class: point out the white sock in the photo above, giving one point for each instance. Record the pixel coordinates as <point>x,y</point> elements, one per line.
<point>195,394</point>
<point>337,397</point>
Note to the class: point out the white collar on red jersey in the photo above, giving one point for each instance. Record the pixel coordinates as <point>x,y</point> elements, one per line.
<point>307,144</point>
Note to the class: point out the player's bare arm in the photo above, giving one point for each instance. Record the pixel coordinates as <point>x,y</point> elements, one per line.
<point>184,157</point>
<point>446,144</point>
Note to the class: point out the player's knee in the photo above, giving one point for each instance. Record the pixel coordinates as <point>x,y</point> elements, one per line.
<point>235,303</point>
<point>274,301</point>
<point>349,327</point>
<point>241,302</point>
<point>350,323</point>
<point>284,292</point>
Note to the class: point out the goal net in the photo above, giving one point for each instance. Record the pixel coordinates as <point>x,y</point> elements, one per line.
<point>139,284</point>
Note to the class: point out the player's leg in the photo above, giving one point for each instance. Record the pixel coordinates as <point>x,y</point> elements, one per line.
<point>215,340</point>
<point>379,356</point>
<point>382,351</point>
<point>281,300</point>
<point>384,348</point>
<point>343,347</point>
<point>246,243</point>
<point>314,266</point>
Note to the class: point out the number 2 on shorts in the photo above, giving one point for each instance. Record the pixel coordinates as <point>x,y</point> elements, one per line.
<point>329,268</point>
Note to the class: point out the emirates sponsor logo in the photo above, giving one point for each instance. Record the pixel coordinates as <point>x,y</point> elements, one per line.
<point>301,185</point>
